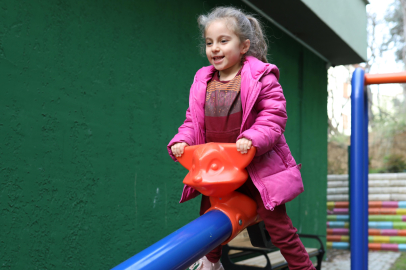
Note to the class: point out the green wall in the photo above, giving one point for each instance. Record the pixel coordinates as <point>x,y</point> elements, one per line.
<point>91,93</point>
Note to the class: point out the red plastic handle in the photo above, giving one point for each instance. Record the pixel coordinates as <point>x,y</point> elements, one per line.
<point>215,169</point>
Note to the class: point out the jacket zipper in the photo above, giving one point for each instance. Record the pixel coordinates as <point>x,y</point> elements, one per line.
<point>199,132</point>
<point>251,170</point>
<point>264,193</point>
<point>248,109</point>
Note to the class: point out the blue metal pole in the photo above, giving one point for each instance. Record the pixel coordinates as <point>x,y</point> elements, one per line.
<point>183,247</point>
<point>357,231</point>
<point>365,180</point>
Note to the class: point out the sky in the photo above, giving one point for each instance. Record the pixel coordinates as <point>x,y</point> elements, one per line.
<point>386,63</point>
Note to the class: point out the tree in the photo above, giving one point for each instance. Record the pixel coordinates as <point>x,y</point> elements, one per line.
<point>396,19</point>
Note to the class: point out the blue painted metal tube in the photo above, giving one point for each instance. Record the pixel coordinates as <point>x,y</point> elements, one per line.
<point>358,234</point>
<point>184,246</point>
<point>365,179</point>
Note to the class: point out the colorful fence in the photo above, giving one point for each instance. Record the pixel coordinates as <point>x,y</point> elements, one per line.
<point>371,246</point>
<point>386,219</point>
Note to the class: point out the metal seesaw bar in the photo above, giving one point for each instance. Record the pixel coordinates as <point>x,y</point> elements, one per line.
<point>184,246</point>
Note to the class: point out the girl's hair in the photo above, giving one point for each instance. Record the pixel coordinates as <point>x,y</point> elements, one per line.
<point>245,27</point>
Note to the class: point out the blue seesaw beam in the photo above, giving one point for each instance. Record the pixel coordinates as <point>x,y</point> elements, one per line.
<point>183,247</point>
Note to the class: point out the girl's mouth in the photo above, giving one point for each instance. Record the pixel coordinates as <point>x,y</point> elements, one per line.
<point>217,59</point>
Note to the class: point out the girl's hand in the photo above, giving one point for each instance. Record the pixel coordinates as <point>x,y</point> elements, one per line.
<point>178,148</point>
<point>243,145</point>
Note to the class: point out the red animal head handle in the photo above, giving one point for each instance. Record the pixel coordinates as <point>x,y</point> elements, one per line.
<point>215,169</point>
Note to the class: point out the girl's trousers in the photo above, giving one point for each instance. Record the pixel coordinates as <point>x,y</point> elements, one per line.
<point>279,226</point>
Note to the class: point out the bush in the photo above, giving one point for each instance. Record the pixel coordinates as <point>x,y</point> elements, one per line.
<point>395,163</point>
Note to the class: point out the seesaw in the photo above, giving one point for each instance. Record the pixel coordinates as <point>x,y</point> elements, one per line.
<point>215,170</point>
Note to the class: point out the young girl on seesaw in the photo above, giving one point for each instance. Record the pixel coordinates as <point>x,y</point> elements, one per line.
<point>238,99</point>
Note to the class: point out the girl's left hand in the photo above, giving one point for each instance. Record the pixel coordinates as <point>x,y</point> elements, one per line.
<point>243,145</point>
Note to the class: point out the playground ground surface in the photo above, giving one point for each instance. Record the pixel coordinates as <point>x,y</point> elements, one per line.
<point>337,259</point>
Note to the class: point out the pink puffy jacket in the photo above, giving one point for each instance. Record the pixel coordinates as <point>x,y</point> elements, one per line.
<point>273,170</point>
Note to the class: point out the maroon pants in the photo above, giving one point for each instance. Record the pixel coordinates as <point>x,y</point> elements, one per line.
<point>279,226</point>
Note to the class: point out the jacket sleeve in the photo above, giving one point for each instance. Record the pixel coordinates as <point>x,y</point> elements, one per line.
<point>271,119</point>
<point>185,134</point>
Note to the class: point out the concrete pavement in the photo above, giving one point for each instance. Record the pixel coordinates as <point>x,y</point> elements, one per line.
<point>377,260</point>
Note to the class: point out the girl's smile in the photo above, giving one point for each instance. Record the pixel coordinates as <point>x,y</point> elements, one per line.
<point>218,59</point>
<point>224,49</point>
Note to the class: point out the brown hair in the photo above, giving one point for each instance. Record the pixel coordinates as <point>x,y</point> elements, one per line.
<point>244,25</point>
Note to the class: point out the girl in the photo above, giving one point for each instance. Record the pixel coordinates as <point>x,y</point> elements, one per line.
<point>238,100</point>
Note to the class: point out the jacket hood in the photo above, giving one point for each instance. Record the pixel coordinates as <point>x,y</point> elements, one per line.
<point>255,67</point>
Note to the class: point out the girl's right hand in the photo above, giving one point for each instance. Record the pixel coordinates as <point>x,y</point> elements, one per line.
<point>178,148</point>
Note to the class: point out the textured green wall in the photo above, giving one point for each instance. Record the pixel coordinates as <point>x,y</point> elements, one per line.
<point>91,92</point>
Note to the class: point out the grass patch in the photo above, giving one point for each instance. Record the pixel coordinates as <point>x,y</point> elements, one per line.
<point>400,263</point>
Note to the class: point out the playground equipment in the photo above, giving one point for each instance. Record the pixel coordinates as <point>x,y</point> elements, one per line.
<point>215,170</point>
<point>359,162</point>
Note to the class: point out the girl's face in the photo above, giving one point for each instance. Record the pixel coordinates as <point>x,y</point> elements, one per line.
<point>223,47</point>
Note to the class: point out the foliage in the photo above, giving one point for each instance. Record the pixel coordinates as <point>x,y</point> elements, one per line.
<point>338,156</point>
<point>395,163</point>
<point>400,263</point>
<point>387,127</point>
<point>336,168</point>
<point>395,19</point>
<point>340,139</point>
<point>377,170</point>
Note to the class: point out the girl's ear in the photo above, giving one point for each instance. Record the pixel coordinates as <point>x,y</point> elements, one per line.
<point>246,46</point>
<point>187,158</point>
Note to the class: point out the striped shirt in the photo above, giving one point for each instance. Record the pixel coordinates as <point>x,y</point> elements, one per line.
<point>223,109</point>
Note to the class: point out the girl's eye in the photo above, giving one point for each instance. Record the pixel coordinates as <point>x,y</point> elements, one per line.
<point>224,41</point>
<point>208,43</point>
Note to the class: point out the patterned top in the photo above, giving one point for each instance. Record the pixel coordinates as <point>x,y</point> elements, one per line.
<point>223,109</point>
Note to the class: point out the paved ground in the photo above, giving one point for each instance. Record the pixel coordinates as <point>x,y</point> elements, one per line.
<point>377,260</point>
